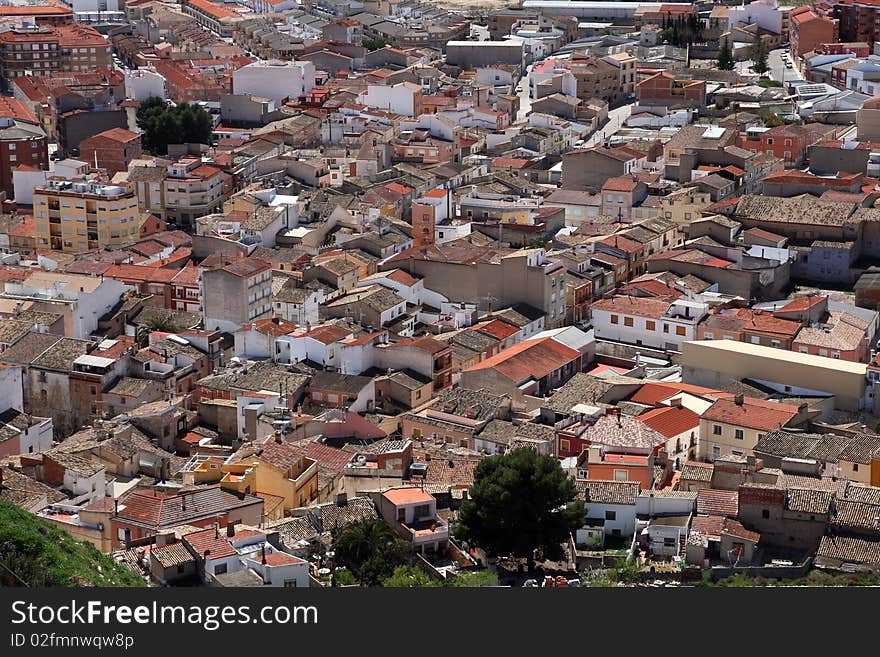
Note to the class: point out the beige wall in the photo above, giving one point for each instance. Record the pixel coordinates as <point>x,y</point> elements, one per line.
<point>729,360</point>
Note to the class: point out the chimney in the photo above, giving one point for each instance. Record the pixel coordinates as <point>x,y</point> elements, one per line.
<point>675,403</point>
<point>115,501</point>
<point>263,552</point>
<point>342,499</point>
<point>230,528</point>
<point>738,400</point>
<point>216,530</point>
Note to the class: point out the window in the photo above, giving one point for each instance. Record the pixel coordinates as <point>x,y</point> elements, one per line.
<point>627,321</point>
<point>855,467</point>
<point>666,328</point>
<point>708,335</point>
<point>564,445</point>
<point>611,515</point>
<point>220,568</point>
<point>738,434</point>
<point>650,325</point>
<point>680,330</point>
<point>615,319</point>
<point>716,429</point>
<point>620,475</point>
<point>765,513</point>
<point>755,339</point>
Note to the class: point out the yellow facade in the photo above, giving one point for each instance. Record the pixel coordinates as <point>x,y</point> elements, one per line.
<point>75,221</point>
<point>684,206</point>
<point>297,488</point>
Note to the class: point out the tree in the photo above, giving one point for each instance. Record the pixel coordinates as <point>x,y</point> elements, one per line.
<point>473,579</point>
<point>520,502</point>
<point>758,55</point>
<point>374,44</point>
<point>725,57</point>
<point>409,577</point>
<point>162,322</point>
<point>163,125</point>
<point>772,120</point>
<point>370,549</point>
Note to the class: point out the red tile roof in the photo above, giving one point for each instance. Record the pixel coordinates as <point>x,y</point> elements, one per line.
<point>636,306</point>
<point>718,502</point>
<point>620,184</point>
<point>210,540</point>
<point>532,358</point>
<point>671,421</point>
<point>496,328</point>
<point>752,413</point>
<point>651,394</point>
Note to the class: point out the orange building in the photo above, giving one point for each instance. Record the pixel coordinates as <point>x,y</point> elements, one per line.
<point>809,30</point>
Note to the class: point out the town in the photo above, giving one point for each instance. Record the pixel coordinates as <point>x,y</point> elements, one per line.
<point>330,293</point>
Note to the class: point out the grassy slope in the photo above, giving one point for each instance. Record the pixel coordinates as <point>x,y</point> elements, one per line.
<point>44,555</point>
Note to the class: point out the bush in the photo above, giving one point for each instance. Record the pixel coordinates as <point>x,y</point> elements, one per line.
<point>43,555</point>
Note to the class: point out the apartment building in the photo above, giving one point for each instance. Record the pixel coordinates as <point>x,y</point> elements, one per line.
<point>191,189</point>
<point>22,142</point>
<point>809,30</point>
<point>74,217</point>
<point>45,50</point>
<point>595,77</point>
<point>235,292</point>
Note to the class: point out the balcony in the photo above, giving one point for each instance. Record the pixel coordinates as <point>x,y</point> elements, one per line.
<point>427,530</point>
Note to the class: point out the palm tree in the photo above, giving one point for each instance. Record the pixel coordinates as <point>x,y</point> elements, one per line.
<point>162,322</point>
<point>370,549</point>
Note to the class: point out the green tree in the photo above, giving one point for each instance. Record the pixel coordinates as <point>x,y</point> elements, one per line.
<point>725,57</point>
<point>374,44</point>
<point>772,121</point>
<point>370,549</point>
<point>758,55</point>
<point>520,502</point>
<point>473,578</point>
<point>163,125</point>
<point>409,577</point>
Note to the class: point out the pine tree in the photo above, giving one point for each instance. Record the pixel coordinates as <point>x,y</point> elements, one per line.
<point>759,55</point>
<point>725,57</point>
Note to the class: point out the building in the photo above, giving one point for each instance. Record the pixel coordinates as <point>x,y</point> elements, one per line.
<point>596,77</point>
<point>235,292</point>
<point>23,143</point>
<point>665,89</point>
<point>647,321</point>
<point>81,216</point>
<point>112,149</point>
<point>489,277</point>
<point>532,367</point>
<point>412,512</point>
<point>191,189</point>
<point>716,363</point>
<point>734,426</point>
<point>809,30</point>
<point>275,79</point>
<point>477,54</point>
<point>145,514</point>
<point>47,50</point>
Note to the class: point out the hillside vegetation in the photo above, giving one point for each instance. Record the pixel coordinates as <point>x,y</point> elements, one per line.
<point>43,555</point>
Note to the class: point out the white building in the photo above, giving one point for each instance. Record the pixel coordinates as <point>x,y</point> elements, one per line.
<point>92,5</point>
<point>610,505</point>
<point>649,322</point>
<point>275,79</point>
<point>403,98</point>
<point>81,299</point>
<point>144,83</point>
<point>763,13</point>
